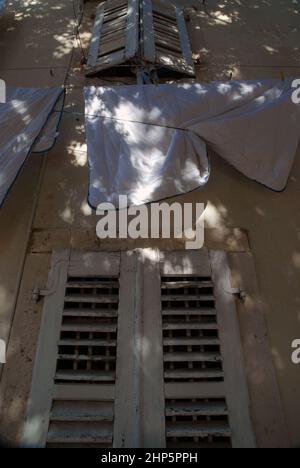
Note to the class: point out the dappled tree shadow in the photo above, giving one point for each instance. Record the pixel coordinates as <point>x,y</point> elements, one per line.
<point>234,39</point>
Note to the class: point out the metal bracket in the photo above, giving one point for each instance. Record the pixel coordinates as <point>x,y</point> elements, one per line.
<point>146,75</point>
<point>38,293</point>
<point>240,293</point>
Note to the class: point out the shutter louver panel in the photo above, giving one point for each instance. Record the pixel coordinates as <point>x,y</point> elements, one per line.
<point>165,37</point>
<point>139,349</point>
<point>115,35</point>
<point>78,423</point>
<point>130,32</point>
<point>191,342</point>
<point>73,387</point>
<point>192,354</point>
<point>87,346</point>
<point>202,409</point>
<point>86,356</point>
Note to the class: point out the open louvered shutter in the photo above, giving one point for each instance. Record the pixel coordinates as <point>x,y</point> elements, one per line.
<point>206,397</point>
<point>165,37</point>
<point>72,395</point>
<point>115,37</point>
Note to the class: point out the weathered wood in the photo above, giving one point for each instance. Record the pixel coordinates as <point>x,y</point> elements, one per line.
<point>78,392</point>
<point>266,405</point>
<point>89,327</point>
<point>193,374</point>
<point>82,342</point>
<point>77,411</point>
<point>178,263</point>
<point>189,408</point>
<point>192,357</point>
<point>233,361</point>
<point>115,37</point>
<point>186,284</point>
<point>139,405</point>
<point>97,313</point>
<point>127,428</point>
<point>153,403</point>
<point>94,46</point>
<point>190,390</point>
<point>92,285</point>
<point>190,326</point>
<point>90,376</point>
<point>190,341</point>
<point>165,37</point>
<point>87,433</point>
<point>203,429</point>
<point>187,297</point>
<point>43,392</point>
<point>132,41</point>
<point>192,311</point>
<point>40,401</point>
<point>85,264</point>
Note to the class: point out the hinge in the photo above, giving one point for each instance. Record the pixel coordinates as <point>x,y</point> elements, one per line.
<point>38,293</point>
<point>240,293</point>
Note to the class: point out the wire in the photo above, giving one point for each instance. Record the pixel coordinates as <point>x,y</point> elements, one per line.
<point>78,19</point>
<point>116,119</point>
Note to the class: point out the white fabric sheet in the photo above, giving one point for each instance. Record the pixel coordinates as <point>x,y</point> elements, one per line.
<point>22,119</point>
<point>150,142</point>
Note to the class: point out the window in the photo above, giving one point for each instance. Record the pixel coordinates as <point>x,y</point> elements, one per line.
<point>139,349</point>
<point>156,35</point>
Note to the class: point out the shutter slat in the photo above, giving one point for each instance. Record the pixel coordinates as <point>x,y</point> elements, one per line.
<point>100,313</point>
<point>89,327</point>
<point>192,390</point>
<point>193,374</point>
<point>96,299</point>
<point>86,393</point>
<point>203,429</point>
<point>196,311</point>
<point>82,357</point>
<point>191,341</point>
<point>92,342</point>
<point>90,376</point>
<point>96,284</point>
<point>77,411</point>
<point>88,433</point>
<point>196,408</point>
<point>194,377</point>
<point>107,48</point>
<point>189,326</point>
<point>196,297</point>
<point>196,357</point>
<point>186,284</point>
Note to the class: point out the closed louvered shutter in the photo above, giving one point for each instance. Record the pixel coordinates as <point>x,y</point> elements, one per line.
<point>165,37</point>
<point>139,349</point>
<point>115,37</point>
<point>206,398</point>
<point>72,395</point>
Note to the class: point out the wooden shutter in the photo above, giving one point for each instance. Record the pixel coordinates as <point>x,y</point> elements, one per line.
<point>139,349</point>
<point>165,37</point>
<point>157,36</point>
<point>115,36</point>
<point>72,394</point>
<point>206,393</point>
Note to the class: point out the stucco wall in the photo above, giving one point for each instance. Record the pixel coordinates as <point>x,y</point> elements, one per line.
<point>244,39</point>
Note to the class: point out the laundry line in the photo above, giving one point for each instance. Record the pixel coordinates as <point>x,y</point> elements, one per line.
<point>103,117</point>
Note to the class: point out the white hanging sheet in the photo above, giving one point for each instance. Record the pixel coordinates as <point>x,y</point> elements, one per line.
<point>149,142</point>
<point>23,119</point>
